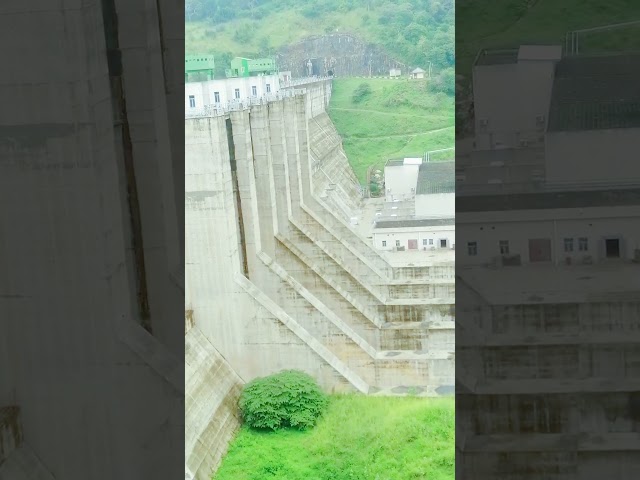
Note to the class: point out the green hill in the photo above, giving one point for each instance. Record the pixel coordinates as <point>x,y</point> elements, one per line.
<point>509,23</point>
<point>397,118</point>
<point>413,31</point>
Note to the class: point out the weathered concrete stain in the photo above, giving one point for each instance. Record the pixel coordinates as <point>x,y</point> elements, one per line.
<point>10,430</point>
<point>34,137</point>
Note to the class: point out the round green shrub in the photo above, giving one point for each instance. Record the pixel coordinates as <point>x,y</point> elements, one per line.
<point>287,399</point>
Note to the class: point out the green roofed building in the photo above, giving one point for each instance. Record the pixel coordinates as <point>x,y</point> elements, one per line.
<point>198,66</point>
<point>246,67</point>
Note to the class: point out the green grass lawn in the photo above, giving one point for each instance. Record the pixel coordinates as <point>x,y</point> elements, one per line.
<point>399,118</point>
<point>358,438</point>
<point>509,23</point>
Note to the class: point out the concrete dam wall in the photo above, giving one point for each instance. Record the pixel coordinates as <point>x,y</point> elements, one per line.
<point>342,54</point>
<point>211,407</point>
<point>275,276</point>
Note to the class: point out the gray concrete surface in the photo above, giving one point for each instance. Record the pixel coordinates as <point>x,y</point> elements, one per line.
<point>73,337</point>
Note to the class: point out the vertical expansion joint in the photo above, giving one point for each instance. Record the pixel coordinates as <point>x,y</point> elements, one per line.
<point>121,123</point>
<point>163,47</point>
<point>236,188</point>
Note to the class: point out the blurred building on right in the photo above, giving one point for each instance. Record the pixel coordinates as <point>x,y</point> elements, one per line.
<point>548,268</point>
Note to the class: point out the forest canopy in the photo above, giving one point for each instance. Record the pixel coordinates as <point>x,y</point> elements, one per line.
<point>414,31</point>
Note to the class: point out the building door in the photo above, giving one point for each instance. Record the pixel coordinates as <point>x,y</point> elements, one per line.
<point>612,247</point>
<point>413,244</point>
<point>539,250</point>
<point>443,243</point>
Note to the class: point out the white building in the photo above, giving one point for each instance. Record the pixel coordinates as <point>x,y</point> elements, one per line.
<point>567,228</point>
<point>419,213</point>
<point>435,190</point>
<point>415,234</point>
<point>400,179</point>
<point>511,93</point>
<point>574,199</point>
<point>226,90</point>
<point>417,73</point>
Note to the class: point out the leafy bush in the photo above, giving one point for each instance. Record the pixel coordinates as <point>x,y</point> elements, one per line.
<point>361,93</point>
<point>287,399</point>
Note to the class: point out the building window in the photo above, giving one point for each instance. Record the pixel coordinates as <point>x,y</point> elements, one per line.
<point>397,243</point>
<point>216,97</point>
<point>424,241</point>
<point>568,245</point>
<point>237,93</point>
<point>431,241</point>
<point>504,247</point>
<point>384,243</point>
<point>254,91</point>
<point>472,248</point>
<point>268,88</point>
<point>583,244</point>
<point>192,101</point>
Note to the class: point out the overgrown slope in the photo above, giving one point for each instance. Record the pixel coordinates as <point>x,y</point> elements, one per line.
<point>414,31</point>
<point>396,118</point>
<point>509,23</point>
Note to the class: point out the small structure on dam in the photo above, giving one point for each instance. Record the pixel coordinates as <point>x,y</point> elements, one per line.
<point>277,278</point>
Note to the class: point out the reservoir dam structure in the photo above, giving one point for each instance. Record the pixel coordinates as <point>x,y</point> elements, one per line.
<point>277,278</point>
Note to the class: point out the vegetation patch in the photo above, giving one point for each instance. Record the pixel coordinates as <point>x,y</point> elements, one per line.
<point>414,32</point>
<point>396,118</point>
<point>287,399</point>
<point>357,438</point>
<point>509,23</point>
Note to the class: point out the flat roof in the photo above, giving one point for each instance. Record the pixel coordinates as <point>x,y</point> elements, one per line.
<point>540,52</point>
<point>417,222</point>
<point>548,200</point>
<point>596,92</point>
<point>436,177</point>
<point>497,57</point>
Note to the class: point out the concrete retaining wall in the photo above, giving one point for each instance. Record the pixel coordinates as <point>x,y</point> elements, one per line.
<point>211,408</point>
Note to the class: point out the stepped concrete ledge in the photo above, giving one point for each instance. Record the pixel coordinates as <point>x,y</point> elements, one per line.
<point>535,386</point>
<point>422,301</point>
<point>550,442</point>
<point>340,261</point>
<point>367,312</point>
<point>415,390</point>
<point>321,307</point>
<point>382,274</point>
<point>303,334</point>
<point>582,338</point>
<point>156,355</point>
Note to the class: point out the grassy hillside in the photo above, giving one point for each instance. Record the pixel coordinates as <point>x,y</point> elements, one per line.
<point>398,118</point>
<point>508,23</point>
<point>413,31</point>
<point>359,438</point>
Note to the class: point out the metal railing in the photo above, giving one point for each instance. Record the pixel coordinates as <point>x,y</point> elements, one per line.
<point>220,109</point>
<point>303,81</point>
